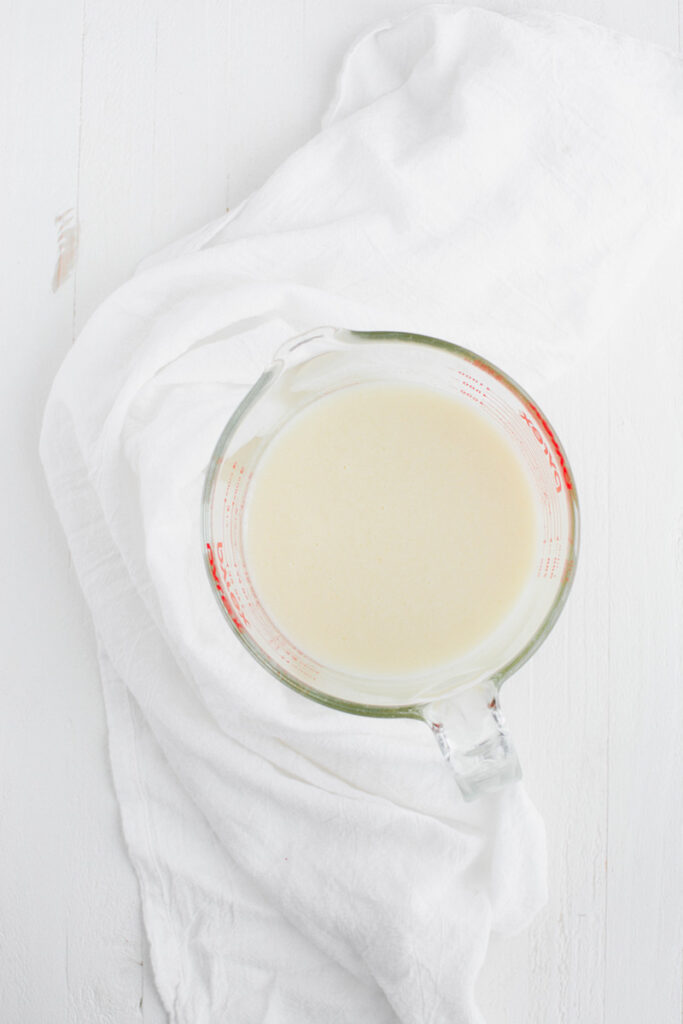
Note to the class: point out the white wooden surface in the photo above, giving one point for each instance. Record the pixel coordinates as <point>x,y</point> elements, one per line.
<point>138,122</point>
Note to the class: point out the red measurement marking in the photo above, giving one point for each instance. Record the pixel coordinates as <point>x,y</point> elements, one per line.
<point>222,593</point>
<point>473,388</point>
<point>553,441</point>
<point>539,437</point>
<point>480,364</point>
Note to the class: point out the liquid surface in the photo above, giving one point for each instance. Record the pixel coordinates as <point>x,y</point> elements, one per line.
<point>389,528</point>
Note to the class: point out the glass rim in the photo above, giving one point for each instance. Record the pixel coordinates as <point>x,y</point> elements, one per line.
<point>413,709</point>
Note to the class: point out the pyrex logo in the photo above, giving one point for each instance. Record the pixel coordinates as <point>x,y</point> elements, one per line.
<point>539,437</point>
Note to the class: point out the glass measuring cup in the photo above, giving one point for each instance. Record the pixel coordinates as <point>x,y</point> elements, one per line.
<point>459,701</point>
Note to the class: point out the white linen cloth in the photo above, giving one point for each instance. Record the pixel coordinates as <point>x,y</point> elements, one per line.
<point>502,182</point>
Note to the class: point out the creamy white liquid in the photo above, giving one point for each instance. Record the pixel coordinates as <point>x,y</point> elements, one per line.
<point>389,529</point>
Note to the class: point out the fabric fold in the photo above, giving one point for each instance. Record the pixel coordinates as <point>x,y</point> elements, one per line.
<point>504,183</point>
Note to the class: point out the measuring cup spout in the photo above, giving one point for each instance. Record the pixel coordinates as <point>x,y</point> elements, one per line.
<point>472,736</point>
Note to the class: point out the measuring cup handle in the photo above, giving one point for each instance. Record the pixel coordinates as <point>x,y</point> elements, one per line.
<point>470,730</point>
